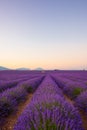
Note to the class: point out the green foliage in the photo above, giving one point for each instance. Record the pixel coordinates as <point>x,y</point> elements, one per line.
<point>76,91</point>
<point>6,108</point>
<point>29,89</point>
<point>50,105</point>
<point>3,99</point>
<point>14,94</point>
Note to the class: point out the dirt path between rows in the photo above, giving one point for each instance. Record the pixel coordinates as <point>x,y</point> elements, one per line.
<point>82,114</point>
<point>12,119</point>
<point>84,119</point>
<point>69,100</point>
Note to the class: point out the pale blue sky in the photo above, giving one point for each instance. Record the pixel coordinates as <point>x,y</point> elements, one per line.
<point>43,33</point>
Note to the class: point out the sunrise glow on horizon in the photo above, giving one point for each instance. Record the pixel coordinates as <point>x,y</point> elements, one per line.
<point>50,34</point>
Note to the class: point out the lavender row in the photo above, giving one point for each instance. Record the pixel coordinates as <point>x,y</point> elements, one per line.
<point>15,74</point>
<point>81,102</point>
<point>73,75</point>
<point>77,93</point>
<point>9,84</point>
<point>70,88</point>
<point>12,83</point>
<point>12,97</point>
<point>48,110</point>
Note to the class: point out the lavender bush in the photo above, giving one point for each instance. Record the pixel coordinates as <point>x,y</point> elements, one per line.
<point>81,101</point>
<point>48,110</point>
<point>10,98</point>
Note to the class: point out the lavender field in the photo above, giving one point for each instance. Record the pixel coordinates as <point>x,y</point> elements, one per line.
<point>43,100</point>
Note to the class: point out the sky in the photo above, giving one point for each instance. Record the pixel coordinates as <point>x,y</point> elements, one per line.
<point>51,34</point>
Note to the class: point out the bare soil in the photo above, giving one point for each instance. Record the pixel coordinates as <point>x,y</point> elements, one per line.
<point>84,119</point>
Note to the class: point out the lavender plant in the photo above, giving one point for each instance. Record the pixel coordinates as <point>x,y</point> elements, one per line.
<point>48,110</point>
<point>81,101</point>
<point>10,98</point>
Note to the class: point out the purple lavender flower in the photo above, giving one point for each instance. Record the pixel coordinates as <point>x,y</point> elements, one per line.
<point>48,110</point>
<point>81,101</point>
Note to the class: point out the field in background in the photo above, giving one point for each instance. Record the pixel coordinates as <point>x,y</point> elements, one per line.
<point>43,100</point>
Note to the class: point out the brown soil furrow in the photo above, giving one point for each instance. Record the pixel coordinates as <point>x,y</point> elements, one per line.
<point>12,119</point>
<point>69,100</point>
<point>84,119</point>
